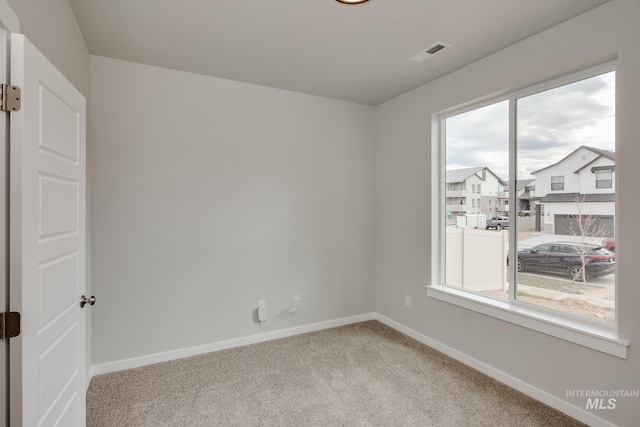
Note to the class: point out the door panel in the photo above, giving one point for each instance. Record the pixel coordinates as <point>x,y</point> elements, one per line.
<point>59,286</point>
<point>57,195</point>
<point>47,242</point>
<point>58,366</point>
<point>59,127</point>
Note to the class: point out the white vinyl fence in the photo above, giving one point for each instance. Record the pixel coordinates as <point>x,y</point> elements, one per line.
<point>476,259</point>
<point>527,223</point>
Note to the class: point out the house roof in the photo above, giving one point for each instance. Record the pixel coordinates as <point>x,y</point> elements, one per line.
<point>593,169</point>
<point>600,152</point>
<point>571,197</point>
<point>460,175</point>
<point>522,184</point>
<point>604,153</point>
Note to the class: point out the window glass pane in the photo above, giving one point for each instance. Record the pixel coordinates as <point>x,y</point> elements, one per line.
<point>565,138</point>
<point>604,179</point>
<point>477,168</point>
<point>557,182</point>
<point>564,195</point>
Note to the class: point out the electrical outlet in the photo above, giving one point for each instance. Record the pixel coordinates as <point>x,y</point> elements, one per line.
<point>296,300</point>
<point>407,300</point>
<point>263,315</point>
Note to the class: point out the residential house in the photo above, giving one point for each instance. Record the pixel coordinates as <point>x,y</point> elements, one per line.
<point>476,190</point>
<point>525,194</point>
<point>582,182</point>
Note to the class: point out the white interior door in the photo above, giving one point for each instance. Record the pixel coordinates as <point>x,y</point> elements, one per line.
<point>47,244</point>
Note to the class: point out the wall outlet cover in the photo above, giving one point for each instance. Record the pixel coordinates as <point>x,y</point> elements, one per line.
<point>262,313</point>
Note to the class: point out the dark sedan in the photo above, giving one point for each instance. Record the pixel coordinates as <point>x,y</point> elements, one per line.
<point>565,258</point>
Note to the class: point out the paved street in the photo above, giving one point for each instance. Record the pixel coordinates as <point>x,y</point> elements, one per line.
<point>528,239</point>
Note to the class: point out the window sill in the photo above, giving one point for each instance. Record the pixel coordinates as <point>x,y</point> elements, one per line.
<point>603,337</point>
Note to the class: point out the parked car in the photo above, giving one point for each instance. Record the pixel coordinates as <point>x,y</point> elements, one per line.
<point>609,244</point>
<point>564,258</point>
<point>498,222</point>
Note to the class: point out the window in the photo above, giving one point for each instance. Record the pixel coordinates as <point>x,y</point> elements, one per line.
<point>604,179</point>
<point>473,188</point>
<point>557,183</point>
<point>552,276</point>
<point>478,188</point>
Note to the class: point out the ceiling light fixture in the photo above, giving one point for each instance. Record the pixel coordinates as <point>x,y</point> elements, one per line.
<point>352,1</point>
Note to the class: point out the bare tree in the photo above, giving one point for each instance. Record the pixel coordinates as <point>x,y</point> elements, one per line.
<point>589,231</point>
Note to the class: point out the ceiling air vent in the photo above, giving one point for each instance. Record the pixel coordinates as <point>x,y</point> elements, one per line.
<point>427,53</point>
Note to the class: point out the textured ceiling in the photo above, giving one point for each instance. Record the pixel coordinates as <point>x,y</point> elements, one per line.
<point>355,53</point>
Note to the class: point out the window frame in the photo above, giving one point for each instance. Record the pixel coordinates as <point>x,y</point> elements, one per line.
<point>582,331</point>
<point>559,184</point>
<point>601,181</point>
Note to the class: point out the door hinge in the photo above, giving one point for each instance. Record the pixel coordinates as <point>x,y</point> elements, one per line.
<point>9,324</point>
<point>11,96</point>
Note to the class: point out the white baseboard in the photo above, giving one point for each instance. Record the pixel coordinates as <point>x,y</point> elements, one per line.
<point>89,376</point>
<point>222,345</point>
<point>534,392</point>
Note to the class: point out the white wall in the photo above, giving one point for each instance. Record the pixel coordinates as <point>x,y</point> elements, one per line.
<point>51,26</point>
<point>209,194</point>
<point>403,209</point>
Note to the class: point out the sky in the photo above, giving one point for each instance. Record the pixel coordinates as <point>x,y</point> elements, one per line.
<point>550,125</point>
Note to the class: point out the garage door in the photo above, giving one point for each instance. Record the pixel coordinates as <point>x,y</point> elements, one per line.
<point>564,224</point>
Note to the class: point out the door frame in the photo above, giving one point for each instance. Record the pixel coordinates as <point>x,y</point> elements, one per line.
<point>4,229</point>
<point>10,23</point>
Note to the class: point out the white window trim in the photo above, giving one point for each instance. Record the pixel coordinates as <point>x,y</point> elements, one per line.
<point>610,180</point>
<point>601,337</point>
<point>585,332</point>
<point>562,182</point>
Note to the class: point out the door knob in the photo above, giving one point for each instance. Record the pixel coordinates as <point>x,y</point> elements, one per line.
<point>84,301</point>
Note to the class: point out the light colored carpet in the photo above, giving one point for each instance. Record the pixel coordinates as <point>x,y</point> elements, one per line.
<point>365,374</point>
